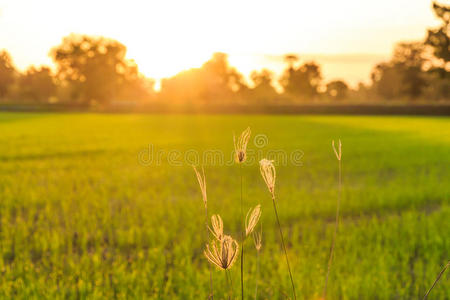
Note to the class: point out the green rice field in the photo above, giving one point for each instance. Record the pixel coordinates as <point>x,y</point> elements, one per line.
<point>106,206</point>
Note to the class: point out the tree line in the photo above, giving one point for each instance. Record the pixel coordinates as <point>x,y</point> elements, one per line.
<point>94,71</point>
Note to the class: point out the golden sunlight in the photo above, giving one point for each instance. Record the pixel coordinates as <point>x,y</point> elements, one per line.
<point>165,37</point>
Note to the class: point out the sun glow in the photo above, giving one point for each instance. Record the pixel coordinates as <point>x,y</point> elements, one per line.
<point>165,37</point>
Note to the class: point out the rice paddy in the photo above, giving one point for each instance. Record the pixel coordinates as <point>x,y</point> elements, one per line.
<point>104,206</point>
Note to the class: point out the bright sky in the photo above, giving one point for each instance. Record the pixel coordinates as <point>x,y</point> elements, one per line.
<point>346,37</point>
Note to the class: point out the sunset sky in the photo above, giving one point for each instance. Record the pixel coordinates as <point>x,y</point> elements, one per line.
<point>346,37</point>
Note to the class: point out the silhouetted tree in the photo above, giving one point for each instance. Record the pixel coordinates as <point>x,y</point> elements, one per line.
<point>95,67</point>
<point>263,89</point>
<point>363,92</point>
<point>387,80</point>
<point>403,75</point>
<point>410,57</point>
<point>302,82</point>
<point>215,81</point>
<point>439,38</point>
<point>222,79</point>
<point>7,73</point>
<point>438,87</point>
<point>135,86</point>
<point>291,60</point>
<point>262,79</point>
<point>186,86</point>
<point>36,84</point>
<point>337,89</point>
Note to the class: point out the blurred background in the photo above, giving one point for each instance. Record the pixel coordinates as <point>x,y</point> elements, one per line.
<point>208,53</point>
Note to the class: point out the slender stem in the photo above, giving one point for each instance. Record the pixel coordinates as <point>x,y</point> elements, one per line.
<point>284,247</point>
<point>242,237</point>
<point>257,274</point>
<point>333,243</point>
<point>437,279</point>
<point>231,281</point>
<point>211,293</point>
<point>230,291</point>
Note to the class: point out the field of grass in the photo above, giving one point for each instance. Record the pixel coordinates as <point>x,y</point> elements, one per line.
<point>84,216</point>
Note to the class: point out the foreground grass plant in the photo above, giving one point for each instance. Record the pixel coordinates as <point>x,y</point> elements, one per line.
<point>240,149</point>
<point>257,239</point>
<point>268,173</point>
<point>202,182</point>
<point>338,154</point>
<point>217,227</point>
<point>252,219</point>
<point>222,253</point>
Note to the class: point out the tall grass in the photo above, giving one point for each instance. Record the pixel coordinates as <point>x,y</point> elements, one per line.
<point>240,149</point>
<point>223,253</point>
<point>242,234</point>
<point>257,239</point>
<point>269,175</point>
<point>333,243</point>
<point>223,256</point>
<point>201,178</point>
<point>223,250</point>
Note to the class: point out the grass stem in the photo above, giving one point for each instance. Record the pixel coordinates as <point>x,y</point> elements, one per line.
<point>437,279</point>
<point>284,246</point>
<point>211,292</point>
<point>229,284</point>
<point>257,275</point>
<point>333,243</point>
<point>242,236</point>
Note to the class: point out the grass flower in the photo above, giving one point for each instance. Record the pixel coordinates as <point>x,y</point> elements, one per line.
<point>240,146</point>
<point>217,227</point>
<point>257,240</point>
<point>252,219</point>
<point>338,153</point>
<point>222,253</point>
<point>202,182</point>
<point>240,149</point>
<point>201,178</point>
<point>268,173</point>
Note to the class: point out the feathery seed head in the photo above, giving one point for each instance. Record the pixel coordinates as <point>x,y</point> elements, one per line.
<point>202,182</point>
<point>252,219</point>
<point>217,227</point>
<point>222,253</point>
<point>257,239</point>
<point>268,173</point>
<point>338,153</point>
<point>240,146</point>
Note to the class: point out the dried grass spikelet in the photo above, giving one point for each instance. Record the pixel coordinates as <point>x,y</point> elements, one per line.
<point>202,182</point>
<point>240,146</point>
<point>257,238</point>
<point>268,173</point>
<point>338,153</point>
<point>222,253</point>
<point>217,227</point>
<point>252,219</point>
